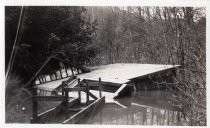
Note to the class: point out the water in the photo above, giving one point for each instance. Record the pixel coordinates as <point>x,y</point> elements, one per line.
<point>142,108</point>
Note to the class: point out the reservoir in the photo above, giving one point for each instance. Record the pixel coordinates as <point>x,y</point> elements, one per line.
<point>142,108</point>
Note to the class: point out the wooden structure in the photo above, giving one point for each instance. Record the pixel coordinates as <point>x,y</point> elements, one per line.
<point>115,81</point>
<point>66,102</point>
<point>40,75</point>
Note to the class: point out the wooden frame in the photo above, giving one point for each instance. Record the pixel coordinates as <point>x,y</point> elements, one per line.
<point>75,118</point>
<point>65,100</point>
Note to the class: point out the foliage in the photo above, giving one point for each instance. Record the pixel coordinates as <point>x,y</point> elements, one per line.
<point>64,32</point>
<point>161,35</point>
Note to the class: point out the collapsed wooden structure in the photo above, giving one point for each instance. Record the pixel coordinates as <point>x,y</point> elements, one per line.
<point>67,103</point>
<point>99,83</point>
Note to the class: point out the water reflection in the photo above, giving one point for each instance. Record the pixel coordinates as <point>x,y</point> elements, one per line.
<point>143,108</point>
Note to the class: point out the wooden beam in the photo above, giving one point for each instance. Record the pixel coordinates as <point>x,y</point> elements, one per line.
<point>93,96</point>
<point>60,73</point>
<point>95,83</point>
<point>44,116</point>
<point>99,84</point>
<point>66,72</point>
<point>35,107</point>
<point>87,92</point>
<point>75,89</point>
<point>34,76</point>
<point>48,98</point>
<point>79,92</point>
<point>66,103</point>
<point>75,118</point>
<point>123,90</point>
<point>71,79</point>
<point>154,73</point>
<point>77,71</point>
<point>74,102</point>
<point>74,65</point>
<point>68,82</point>
<point>72,71</point>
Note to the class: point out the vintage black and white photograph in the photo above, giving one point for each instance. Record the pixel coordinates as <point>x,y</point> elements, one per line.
<point>105,65</point>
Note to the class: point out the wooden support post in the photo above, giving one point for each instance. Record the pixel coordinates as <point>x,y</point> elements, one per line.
<point>55,76</point>
<point>61,74</point>
<point>39,80</point>
<point>99,84</point>
<point>63,85</point>
<point>87,93</point>
<point>79,92</point>
<point>50,77</point>
<point>45,78</point>
<point>66,103</point>
<point>66,72</point>
<point>72,71</point>
<point>77,70</point>
<point>35,107</point>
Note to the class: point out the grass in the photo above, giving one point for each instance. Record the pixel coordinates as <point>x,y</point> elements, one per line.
<point>18,105</point>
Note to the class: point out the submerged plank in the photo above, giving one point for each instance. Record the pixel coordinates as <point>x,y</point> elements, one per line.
<point>75,118</point>
<point>48,98</point>
<point>124,90</point>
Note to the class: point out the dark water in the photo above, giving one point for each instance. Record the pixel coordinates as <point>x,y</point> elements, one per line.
<point>142,108</point>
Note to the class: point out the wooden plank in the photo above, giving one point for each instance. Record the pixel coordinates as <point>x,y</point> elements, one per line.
<point>123,89</point>
<point>74,65</point>
<point>75,89</point>
<point>74,102</point>
<point>66,103</point>
<point>155,73</point>
<point>59,88</point>
<point>35,107</point>
<point>71,79</point>
<point>100,89</point>
<point>44,116</point>
<point>36,74</point>
<point>95,83</point>
<point>79,92</point>
<point>72,72</point>
<point>66,72</point>
<point>48,98</point>
<point>93,96</point>
<point>87,92</point>
<point>75,118</point>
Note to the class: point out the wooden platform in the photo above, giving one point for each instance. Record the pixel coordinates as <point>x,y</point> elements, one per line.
<point>119,73</point>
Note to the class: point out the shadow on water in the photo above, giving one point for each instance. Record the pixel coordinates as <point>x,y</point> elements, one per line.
<point>142,108</point>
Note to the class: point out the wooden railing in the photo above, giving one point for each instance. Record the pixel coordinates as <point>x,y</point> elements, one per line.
<point>64,98</point>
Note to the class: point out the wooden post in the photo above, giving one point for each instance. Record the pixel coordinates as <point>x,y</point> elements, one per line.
<point>39,80</point>
<point>72,71</point>
<point>45,78</point>
<point>66,103</point>
<point>99,85</point>
<point>77,70</point>
<point>87,93</point>
<point>63,85</point>
<point>35,107</point>
<point>50,77</point>
<point>61,74</point>
<point>79,92</point>
<point>66,72</point>
<point>56,76</point>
